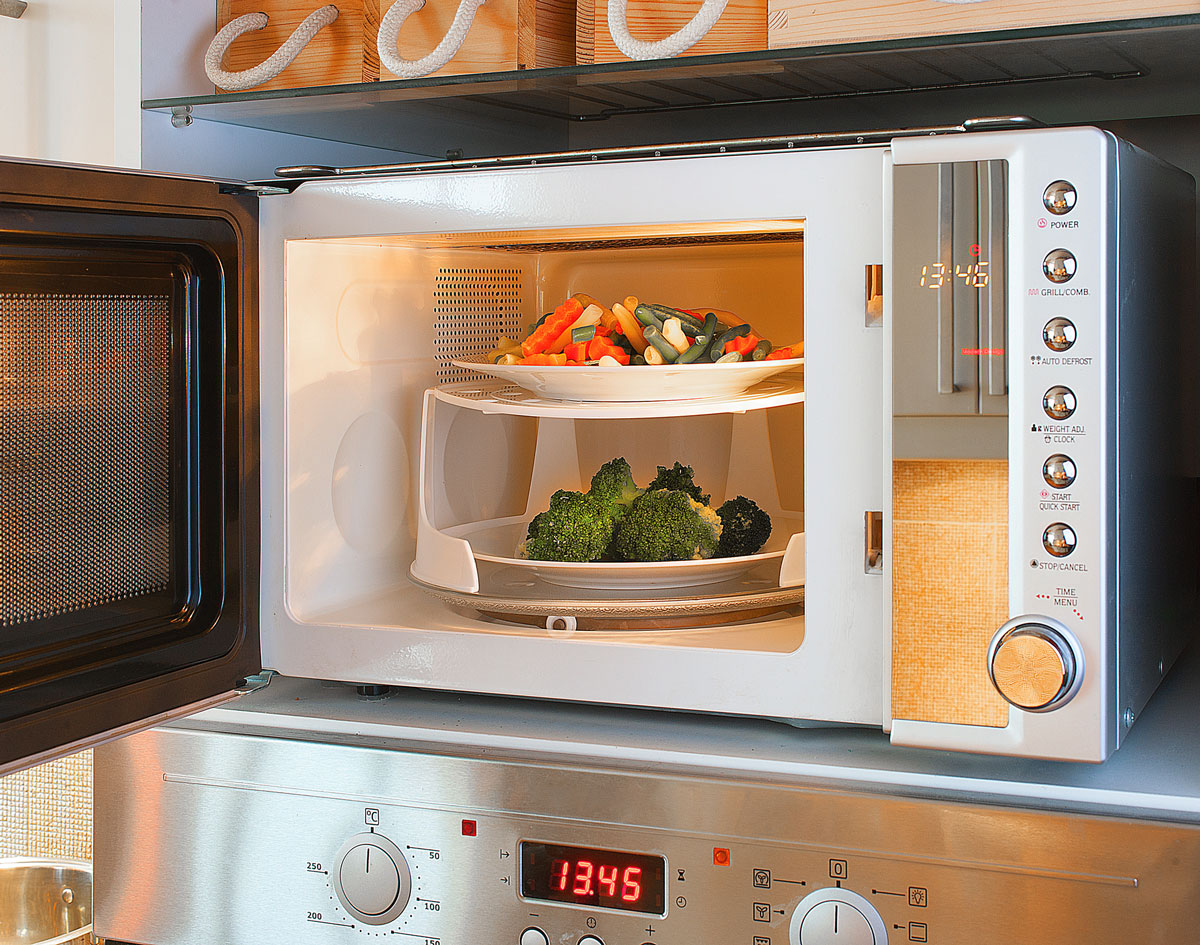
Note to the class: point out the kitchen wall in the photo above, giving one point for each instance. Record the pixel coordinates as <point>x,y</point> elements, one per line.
<point>70,74</point>
<point>47,810</point>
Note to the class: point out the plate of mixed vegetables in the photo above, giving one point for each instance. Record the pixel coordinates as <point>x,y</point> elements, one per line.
<point>617,536</point>
<point>634,351</point>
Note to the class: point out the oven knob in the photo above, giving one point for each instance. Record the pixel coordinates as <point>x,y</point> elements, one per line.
<point>371,878</point>
<point>1059,265</point>
<point>1035,663</point>
<point>1059,334</point>
<point>836,916</point>
<point>1059,471</point>
<point>1058,402</point>
<point>1060,197</point>
<point>1059,539</point>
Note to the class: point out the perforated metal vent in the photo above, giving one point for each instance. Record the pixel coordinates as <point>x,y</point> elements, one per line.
<point>473,308</point>
<point>85,451</point>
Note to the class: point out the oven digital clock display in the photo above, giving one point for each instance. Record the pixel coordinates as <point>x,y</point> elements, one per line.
<point>607,879</point>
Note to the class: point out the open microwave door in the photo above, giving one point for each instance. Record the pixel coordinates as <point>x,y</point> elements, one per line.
<point>129,506</point>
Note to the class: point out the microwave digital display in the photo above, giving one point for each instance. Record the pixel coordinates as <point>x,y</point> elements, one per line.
<point>607,879</point>
<point>974,275</point>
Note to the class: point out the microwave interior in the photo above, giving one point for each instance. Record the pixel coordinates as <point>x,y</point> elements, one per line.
<point>372,324</point>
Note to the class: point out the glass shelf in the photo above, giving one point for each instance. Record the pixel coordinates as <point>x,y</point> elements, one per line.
<point>1084,72</point>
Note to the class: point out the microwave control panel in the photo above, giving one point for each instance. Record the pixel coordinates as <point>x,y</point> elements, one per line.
<point>269,841</point>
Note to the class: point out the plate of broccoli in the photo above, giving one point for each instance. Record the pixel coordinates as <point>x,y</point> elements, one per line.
<point>618,536</point>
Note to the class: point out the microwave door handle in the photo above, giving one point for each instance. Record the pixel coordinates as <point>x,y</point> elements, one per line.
<point>992,205</point>
<point>945,293</point>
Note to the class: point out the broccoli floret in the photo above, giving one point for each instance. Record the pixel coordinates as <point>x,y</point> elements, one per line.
<point>576,527</point>
<point>679,477</point>
<point>614,483</point>
<point>667,525</point>
<point>744,528</point>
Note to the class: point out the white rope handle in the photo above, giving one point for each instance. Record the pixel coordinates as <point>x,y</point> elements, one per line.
<point>673,45</point>
<point>447,49</point>
<point>273,65</point>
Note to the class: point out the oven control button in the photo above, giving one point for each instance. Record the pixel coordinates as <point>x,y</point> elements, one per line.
<point>1058,402</point>
<point>1035,663</point>
<point>1059,539</point>
<point>1059,334</point>
<point>1059,471</point>
<point>1059,265</point>
<point>371,878</point>
<point>1060,197</point>
<point>533,937</point>
<point>836,916</point>
<point>590,940</point>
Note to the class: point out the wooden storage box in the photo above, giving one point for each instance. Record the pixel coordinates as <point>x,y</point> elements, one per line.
<point>818,22</point>
<point>505,35</point>
<point>742,27</point>
<point>341,53</point>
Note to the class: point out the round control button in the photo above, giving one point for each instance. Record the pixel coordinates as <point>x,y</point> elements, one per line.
<point>1035,665</point>
<point>1060,197</point>
<point>1059,265</point>
<point>835,923</point>
<point>371,879</point>
<point>836,916</point>
<point>1059,471</point>
<point>1058,402</point>
<point>1059,334</point>
<point>1059,539</point>
<point>590,940</point>
<point>534,936</point>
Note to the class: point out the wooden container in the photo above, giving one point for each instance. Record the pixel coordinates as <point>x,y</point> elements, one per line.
<point>343,52</point>
<point>806,23</point>
<point>742,27</point>
<point>505,35</point>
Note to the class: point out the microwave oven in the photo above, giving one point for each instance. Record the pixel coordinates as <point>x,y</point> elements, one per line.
<point>239,439</point>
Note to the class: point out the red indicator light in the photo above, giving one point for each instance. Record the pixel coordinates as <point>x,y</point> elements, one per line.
<point>468,828</point>
<point>720,856</point>
<point>974,250</point>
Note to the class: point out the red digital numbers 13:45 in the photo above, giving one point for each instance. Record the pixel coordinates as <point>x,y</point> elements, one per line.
<point>590,879</point>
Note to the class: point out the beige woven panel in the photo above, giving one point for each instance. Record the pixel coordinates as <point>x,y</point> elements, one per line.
<point>949,588</point>
<point>47,810</point>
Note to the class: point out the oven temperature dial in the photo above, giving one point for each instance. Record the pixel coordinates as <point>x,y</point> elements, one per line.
<point>371,878</point>
<point>836,916</point>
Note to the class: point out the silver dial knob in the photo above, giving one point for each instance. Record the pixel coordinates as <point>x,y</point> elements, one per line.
<point>1035,663</point>
<point>371,878</point>
<point>835,916</point>
<point>1060,197</point>
<point>1059,471</point>
<point>1058,402</point>
<point>1059,265</point>
<point>1059,334</point>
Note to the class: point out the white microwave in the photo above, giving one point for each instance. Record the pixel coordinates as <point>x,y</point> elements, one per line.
<point>241,439</point>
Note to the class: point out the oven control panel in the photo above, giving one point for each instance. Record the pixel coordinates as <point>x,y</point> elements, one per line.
<point>271,841</point>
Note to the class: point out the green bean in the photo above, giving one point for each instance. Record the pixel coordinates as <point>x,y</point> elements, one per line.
<point>648,317</point>
<point>661,345</point>
<point>761,350</point>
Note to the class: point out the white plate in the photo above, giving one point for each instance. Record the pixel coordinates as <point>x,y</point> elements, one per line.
<point>633,383</point>
<point>496,542</point>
